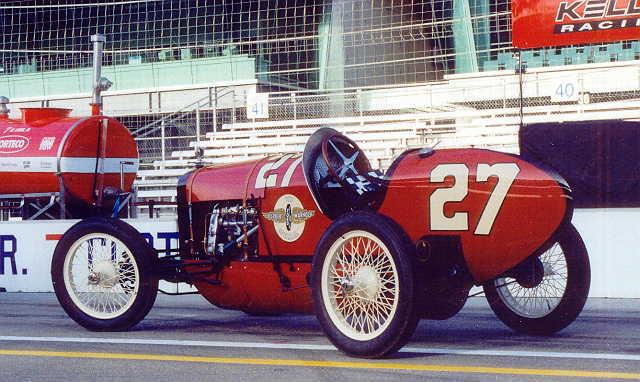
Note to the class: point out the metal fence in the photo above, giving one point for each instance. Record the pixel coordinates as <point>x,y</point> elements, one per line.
<point>459,104</point>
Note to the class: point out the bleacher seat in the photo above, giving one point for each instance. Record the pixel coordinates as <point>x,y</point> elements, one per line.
<point>490,65</point>
<point>506,61</point>
<point>601,54</point>
<point>533,58</point>
<point>627,54</point>
<point>556,57</point>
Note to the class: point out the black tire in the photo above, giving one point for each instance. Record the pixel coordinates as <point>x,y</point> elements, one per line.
<point>390,264</point>
<point>103,273</point>
<point>548,312</point>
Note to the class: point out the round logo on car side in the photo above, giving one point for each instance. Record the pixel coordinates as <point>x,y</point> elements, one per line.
<point>289,217</point>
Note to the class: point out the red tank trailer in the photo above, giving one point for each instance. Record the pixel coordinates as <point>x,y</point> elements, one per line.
<point>80,160</point>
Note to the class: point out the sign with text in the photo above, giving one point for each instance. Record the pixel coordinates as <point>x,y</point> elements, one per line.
<point>26,249</point>
<point>565,90</point>
<point>542,23</point>
<point>257,105</point>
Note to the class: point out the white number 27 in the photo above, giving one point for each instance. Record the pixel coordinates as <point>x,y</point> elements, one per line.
<point>459,221</point>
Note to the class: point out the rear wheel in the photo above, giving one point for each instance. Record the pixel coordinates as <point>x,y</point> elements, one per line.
<point>547,303</point>
<point>364,285</point>
<point>103,274</point>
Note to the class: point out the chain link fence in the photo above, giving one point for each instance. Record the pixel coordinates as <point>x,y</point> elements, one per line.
<point>451,110</point>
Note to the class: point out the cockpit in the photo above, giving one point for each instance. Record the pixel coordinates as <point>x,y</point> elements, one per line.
<point>339,174</point>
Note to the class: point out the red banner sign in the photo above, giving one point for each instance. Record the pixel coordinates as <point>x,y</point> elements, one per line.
<point>540,23</point>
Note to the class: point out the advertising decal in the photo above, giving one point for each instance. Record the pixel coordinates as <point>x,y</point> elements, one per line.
<point>543,23</point>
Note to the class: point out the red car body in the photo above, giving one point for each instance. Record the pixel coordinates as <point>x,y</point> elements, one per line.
<point>531,207</point>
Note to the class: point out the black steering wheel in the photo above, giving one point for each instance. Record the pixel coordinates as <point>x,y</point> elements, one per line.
<point>346,163</point>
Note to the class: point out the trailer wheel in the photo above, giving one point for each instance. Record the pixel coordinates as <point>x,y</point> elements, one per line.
<point>103,274</point>
<point>556,297</point>
<point>363,283</point>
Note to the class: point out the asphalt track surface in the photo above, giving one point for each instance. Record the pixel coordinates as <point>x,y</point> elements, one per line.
<point>186,339</point>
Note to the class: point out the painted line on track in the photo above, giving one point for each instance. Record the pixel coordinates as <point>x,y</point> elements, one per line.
<point>290,346</point>
<point>326,364</point>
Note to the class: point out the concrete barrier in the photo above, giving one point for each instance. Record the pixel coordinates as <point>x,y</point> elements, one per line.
<point>612,237</point>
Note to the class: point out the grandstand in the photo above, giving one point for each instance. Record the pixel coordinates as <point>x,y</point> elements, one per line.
<point>241,79</point>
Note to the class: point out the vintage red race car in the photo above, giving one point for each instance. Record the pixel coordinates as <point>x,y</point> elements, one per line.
<point>369,253</point>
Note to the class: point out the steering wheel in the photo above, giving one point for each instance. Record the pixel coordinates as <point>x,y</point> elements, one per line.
<point>345,162</point>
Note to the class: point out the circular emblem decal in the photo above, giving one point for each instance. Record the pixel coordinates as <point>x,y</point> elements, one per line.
<point>289,217</point>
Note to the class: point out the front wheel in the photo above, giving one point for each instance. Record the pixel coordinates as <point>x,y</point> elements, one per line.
<point>364,285</point>
<point>553,302</point>
<point>103,274</point>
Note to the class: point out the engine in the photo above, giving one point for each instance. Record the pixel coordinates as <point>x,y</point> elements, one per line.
<point>230,232</point>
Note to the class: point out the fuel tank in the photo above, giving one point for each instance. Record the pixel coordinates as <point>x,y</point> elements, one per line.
<point>46,151</point>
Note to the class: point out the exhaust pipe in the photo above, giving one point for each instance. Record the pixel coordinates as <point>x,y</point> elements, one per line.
<point>100,83</point>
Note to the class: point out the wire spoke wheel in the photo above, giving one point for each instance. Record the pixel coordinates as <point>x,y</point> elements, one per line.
<point>542,299</point>
<point>364,288</point>
<point>556,299</point>
<point>360,285</point>
<point>101,276</point>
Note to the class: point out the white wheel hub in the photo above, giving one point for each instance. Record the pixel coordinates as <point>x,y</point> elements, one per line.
<point>104,275</point>
<point>367,282</point>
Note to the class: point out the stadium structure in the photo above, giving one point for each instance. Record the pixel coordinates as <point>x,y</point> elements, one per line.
<point>224,81</point>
